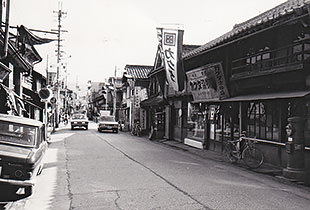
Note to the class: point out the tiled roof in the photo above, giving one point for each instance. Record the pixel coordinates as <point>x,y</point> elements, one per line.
<point>277,12</point>
<point>137,71</point>
<point>188,48</point>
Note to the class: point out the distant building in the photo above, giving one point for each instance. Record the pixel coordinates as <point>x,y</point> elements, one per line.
<point>97,98</point>
<point>51,78</point>
<point>135,89</point>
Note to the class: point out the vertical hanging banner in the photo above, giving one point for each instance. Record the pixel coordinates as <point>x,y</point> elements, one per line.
<point>170,44</point>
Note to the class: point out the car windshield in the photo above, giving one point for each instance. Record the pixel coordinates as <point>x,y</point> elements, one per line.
<point>79,117</point>
<point>107,118</point>
<point>17,133</point>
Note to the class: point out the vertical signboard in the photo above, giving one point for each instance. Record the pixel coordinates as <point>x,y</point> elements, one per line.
<point>143,119</point>
<point>170,45</point>
<point>137,96</point>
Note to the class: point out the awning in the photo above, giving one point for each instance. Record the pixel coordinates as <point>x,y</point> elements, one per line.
<point>97,99</point>
<point>257,97</point>
<point>34,105</point>
<point>155,101</point>
<point>28,37</point>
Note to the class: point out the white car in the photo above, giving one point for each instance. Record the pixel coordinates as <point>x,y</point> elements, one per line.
<point>79,120</point>
<point>107,122</point>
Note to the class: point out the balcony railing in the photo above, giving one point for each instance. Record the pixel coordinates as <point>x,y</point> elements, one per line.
<point>291,57</point>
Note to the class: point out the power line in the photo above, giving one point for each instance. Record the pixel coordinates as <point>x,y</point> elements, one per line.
<point>35,30</point>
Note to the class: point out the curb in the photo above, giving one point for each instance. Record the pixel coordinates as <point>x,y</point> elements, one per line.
<point>266,169</point>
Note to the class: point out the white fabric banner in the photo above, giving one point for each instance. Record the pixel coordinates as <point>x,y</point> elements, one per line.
<point>170,44</point>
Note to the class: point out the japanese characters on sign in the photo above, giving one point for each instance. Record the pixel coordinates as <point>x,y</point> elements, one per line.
<point>170,43</point>
<point>140,95</point>
<point>143,118</point>
<point>207,82</point>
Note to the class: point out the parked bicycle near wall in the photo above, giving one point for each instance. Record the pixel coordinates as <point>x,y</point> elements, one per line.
<point>244,149</point>
<point>136,130</point>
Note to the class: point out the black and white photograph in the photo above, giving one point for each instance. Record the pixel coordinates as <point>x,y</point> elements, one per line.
<point>154,105</point>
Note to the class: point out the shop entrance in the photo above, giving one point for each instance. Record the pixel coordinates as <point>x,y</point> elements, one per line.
<point>223,125</point>
<point>159,124</point>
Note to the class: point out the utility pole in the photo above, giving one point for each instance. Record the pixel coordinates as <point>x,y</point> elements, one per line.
<point>77,87</point>
<point>6,26</point>
<point>59,31</point>
<point>114,98</point>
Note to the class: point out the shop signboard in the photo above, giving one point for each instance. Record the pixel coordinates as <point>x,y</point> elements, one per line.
<point>170,45</point>
<point>207,82</point>
<point>137,98</point>
<point>143,118</point>
<point>143,94</point>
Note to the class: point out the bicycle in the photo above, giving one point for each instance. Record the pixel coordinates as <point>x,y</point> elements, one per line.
<point>244,149</point>
<point>136,130</point>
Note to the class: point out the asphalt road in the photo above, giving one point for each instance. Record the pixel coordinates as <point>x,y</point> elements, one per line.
<point>92,170</point>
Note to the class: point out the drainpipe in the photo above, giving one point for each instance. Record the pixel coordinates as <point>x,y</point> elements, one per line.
<point>6,34</point>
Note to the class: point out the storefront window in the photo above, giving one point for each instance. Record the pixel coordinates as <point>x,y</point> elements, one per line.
<point>225,125</point>
<point>263,120</point>
<point>196,121</point>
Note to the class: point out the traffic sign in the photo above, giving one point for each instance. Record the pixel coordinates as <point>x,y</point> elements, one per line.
<point>44,93</point>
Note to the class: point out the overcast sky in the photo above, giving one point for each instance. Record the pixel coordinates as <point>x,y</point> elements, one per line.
<point>104,35</point>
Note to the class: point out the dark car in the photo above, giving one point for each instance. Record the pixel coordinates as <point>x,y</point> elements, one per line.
<point>107,122</point>
<point>79,121</point>
<point>22,148</point>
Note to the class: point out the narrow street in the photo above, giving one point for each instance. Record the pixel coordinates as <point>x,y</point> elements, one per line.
<point>186,82</point>
<point>92,170</point>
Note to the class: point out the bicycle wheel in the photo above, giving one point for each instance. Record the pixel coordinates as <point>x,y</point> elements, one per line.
<point>133,132</point>
<point>139,132</point>
<point>253,157</point>
<point>229,149</point>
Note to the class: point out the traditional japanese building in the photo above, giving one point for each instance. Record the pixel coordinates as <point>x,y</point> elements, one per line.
<point>135,90</point>
<point>21,83</point>
<point>97,99</point>
<point>255,78</point>
<point>166,108</point>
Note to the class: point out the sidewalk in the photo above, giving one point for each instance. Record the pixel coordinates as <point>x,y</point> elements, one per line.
<point>266,168</point>
<point>216,156</point>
